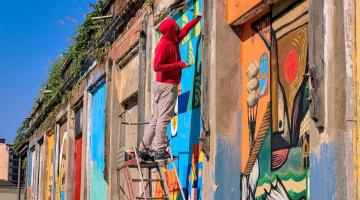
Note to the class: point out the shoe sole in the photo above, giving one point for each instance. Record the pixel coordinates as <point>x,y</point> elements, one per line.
<point>145,161</point>
<point>161,159</point>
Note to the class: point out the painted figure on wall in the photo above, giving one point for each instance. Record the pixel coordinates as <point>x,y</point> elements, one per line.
<point>275,139</point>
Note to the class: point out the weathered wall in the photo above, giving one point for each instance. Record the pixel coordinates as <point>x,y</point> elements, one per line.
<point>224,107</point>
<point>356,61</point>
<point>329,160</point>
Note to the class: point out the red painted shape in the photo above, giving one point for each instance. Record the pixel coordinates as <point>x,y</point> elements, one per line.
<point>291,65</point>
<point>78,152</point>
<point>279,158</point>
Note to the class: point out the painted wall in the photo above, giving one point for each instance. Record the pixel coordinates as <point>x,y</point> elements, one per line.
<point>49,164</point>
<point>185,127</point>
<point>97,148</point>
<point>78,165</point>
<point>29,169</point>
<point>63,160</point>
<point>237,8</point>
<point>275,119</point>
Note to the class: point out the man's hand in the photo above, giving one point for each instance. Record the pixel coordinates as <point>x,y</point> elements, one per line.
<point>199,15</point>
<point>188,65</point>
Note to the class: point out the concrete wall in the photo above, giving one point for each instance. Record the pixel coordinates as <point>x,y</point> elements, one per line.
<point>224,107</point>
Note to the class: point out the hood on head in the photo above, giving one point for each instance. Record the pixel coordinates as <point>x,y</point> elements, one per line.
<point>168,28</point>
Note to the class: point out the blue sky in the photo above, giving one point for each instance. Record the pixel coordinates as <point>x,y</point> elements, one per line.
<point>32,35</point>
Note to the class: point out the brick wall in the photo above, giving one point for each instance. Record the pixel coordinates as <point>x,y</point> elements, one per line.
<point>129,37</point>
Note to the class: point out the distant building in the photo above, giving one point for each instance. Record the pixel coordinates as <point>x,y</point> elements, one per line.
<point>13,165</point>
<point>9,162</point>
<point>4,161</point>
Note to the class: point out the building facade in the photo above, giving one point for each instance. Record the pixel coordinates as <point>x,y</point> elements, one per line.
<point>268,110</point>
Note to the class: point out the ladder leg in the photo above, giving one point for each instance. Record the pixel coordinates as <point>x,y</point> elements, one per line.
<point>150,184</point>
<point>137,160</point>
<point>128,182</point>
<point>163,183</point>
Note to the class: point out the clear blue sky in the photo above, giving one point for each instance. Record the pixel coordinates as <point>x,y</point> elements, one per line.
<point>32,35</point>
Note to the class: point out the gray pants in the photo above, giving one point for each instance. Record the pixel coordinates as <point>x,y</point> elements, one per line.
<point>164,99</point>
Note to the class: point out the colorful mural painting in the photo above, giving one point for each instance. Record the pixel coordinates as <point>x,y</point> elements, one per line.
<point>78,156</point>
<point>185,127</point>
<point>97,147</point>
<point>63,158</point>
<point>49,164</point>
<point>275,138</point>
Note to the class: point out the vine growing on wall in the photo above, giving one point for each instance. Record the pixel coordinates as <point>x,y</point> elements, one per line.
<point>84,42</point>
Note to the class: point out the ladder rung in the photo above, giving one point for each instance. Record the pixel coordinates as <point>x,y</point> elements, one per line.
<point>151,198</point>
<point>144,165</point>
<point>147,180</point>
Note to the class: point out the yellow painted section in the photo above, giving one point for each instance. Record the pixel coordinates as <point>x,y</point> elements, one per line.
<point>49,164</point>
<point>237,8</point>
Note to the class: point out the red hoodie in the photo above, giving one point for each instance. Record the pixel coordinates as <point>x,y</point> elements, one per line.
<point>167,61</point>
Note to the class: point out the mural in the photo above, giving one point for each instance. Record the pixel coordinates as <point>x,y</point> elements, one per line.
<point>275,138</point>
<point>49,164</point>
<point>63,157</point>
<point>97,147</point>
<point>78,156</point>
<point>185,127</point>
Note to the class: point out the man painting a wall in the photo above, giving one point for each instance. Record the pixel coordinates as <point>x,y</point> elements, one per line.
<point>168,67</point>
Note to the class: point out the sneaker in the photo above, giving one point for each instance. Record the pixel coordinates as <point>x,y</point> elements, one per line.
<point>161,156</point>
<point>145,156</point>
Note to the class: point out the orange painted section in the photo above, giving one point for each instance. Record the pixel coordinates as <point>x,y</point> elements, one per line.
<point>252,48</point>
<point>49,164</point>
<point>237,8</point>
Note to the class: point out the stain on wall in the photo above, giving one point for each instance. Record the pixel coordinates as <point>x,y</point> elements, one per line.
<point>275,138</point>
<point>97,147</point>
<point>184,129</point>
